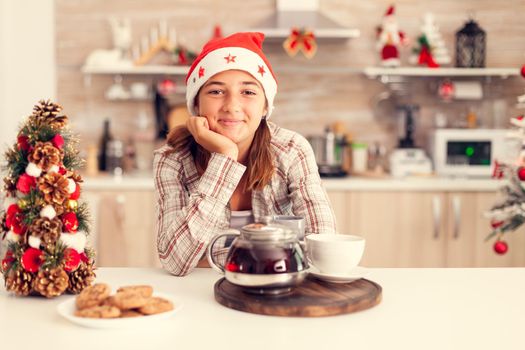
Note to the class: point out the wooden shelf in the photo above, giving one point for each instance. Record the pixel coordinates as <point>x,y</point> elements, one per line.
<point>374,72</point>
<point>137,70</point>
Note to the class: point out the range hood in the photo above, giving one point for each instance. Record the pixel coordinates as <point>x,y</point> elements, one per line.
<point>302,14</point>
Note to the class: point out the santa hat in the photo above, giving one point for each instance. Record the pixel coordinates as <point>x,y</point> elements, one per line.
<point>390,11</point>
<point>242,51</point>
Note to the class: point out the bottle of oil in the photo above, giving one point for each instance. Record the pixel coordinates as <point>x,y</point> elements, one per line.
<point>103,147</point>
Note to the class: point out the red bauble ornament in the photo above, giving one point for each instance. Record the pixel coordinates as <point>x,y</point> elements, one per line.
<point>71,259</point>
<point>62,170</point>
<point>75,195</point>
<point>17,224</point>
<point>84,258</point>
<point>57,141</point>
<point>32,259</point>
<point>521,173</point>
<point>70,222</point>
<point>523,71</point>
<point>23,143</point>
<point>501,247</point>
<point>25,183</point>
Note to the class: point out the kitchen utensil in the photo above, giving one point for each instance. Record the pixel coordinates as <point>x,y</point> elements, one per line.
<point>329,151</point>
<point>313,298</point>
<point>263,259</point>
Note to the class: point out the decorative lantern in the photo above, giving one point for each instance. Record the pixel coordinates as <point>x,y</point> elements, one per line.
<point>470,46</point>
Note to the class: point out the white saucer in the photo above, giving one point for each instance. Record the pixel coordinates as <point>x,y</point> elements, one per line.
<point>67,310</point>
<point>355,274</point>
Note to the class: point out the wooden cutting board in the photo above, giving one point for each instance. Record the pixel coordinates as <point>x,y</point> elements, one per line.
<point>312,298</point>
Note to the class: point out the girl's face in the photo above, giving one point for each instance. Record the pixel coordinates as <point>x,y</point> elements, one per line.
<point>234,103</point>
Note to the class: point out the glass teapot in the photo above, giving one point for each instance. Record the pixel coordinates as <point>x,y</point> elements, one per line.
<point>263,258</point>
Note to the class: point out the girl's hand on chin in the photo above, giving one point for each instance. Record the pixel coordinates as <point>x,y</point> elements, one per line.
<point>210,140</point>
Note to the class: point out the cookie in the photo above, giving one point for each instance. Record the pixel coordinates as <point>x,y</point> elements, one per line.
<point>92,296</point>
<point>128,300</point>
<point>156,305</point>
<point>130,313</point>
<point>144,290</point>
<point>108,301</point>
<point>99,312</point>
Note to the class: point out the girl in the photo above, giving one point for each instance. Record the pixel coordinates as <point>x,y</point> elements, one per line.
<point>229,166</point>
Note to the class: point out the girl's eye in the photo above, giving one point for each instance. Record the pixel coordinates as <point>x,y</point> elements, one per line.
<point>215,92</point>
<point>249,92</point>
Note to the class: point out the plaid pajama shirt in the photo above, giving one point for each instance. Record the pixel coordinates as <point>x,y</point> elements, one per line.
<point>192,209</point>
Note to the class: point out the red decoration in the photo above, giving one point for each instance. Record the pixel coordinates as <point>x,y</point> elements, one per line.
<point>8,260</point>
<point>521,173</point>
<point>84,258</point>
<point>71,259</point>
<point>501,247</point>
<point>166,87</point>
<point>446,90</point>
<point>217,32</point>
<point>300,40</point>
<point>57,141</point>
<point>62,170</point>
<point>523,71</point>
<point>13,209</point>
<point>70,222</point>
<point>425,57</point>
<point>23,143</point>
<point>75,195</point>
<point>25,183</point>
<point>496,223</point>
<point>17,224</point>
<point>32,259</point>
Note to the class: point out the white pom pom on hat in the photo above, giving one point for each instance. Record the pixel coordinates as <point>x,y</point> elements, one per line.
<point>48,212</point>
<point>241,51</point>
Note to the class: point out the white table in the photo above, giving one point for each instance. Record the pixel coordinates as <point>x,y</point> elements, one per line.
<point>421,309</point>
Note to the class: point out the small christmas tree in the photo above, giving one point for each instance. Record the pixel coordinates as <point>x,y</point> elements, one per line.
<point>509,214</point>
<point>431,50</point>
<point>43,225</point>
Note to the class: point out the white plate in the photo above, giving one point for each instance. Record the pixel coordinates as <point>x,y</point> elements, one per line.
<point>356,273</point>
<point>67,309</point>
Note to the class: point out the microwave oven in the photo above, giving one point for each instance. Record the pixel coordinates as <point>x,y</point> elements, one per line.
<point>471,152</point>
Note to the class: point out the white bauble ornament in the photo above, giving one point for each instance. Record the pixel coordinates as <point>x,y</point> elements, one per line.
<point>71,186</point>
<point>48,212</point>
<point>9,201</point>
<point>53,169</point>
<point>33,170</point>
<point>12,237</point>
<point>34,241</point>
<point>76,241</point>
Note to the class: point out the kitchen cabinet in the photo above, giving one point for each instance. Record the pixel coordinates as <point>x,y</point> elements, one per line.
<point>424,228</point>
<point>123,227</point>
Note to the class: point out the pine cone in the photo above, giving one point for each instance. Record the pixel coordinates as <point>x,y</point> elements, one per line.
<point>51,282</point>
<point>10,186</point>
<point>81,278</point>
<point>47,112</point>
<point>19,282</point>
<point>54,187</point>
<point>45,155</point>
<point>47,230</point>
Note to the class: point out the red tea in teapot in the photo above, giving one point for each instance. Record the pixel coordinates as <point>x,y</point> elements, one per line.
<point>265,259</point>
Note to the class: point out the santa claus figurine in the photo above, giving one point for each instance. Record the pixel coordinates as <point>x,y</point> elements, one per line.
<point>389,37</point>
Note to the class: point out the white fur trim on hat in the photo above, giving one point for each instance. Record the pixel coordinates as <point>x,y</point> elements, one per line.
<point>228,58</point>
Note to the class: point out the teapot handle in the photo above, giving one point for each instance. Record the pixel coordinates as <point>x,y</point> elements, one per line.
<point>209,256</point>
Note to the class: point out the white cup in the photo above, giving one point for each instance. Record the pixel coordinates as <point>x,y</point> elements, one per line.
<point>334,253</point>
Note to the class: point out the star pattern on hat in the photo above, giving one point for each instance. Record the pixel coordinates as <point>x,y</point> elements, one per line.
<point>230,58</point>
<point>261,70</point>
<point>201,72</point>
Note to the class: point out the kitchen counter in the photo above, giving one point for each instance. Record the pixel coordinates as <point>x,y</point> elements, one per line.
<point>421,309</point>
<point>144,182</point>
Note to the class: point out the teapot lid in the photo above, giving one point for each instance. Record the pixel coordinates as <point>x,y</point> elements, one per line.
<point>267,232</point>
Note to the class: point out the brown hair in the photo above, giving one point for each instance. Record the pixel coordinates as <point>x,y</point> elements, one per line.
<point>260,167</point>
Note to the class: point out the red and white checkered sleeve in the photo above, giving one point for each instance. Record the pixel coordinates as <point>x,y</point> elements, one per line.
<point>187,222</point>
<point>309,199</point>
